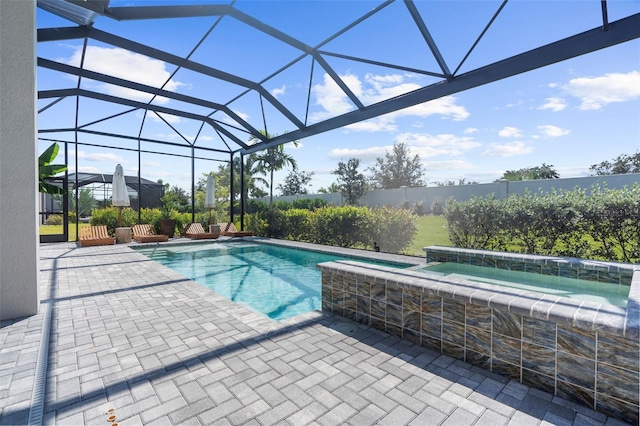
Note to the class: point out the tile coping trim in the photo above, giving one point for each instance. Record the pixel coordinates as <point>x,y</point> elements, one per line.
<point>586,315</point>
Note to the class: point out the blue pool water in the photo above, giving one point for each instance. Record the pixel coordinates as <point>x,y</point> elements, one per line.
<point>279,282</point>
<point>614,294</point>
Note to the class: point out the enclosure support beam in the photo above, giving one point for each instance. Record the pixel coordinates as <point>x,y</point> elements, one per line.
<point>620,31</point>
<point>242,200</point>
<point>193,185</point>
<point>231,187</point>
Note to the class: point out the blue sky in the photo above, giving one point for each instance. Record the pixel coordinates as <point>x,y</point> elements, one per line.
<point>570,115</point>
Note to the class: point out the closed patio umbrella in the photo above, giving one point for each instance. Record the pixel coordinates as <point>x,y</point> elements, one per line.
<point>120,196</point>
<point>210,198</point>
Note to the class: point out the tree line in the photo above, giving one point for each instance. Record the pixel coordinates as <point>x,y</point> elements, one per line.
<point>398,168</point>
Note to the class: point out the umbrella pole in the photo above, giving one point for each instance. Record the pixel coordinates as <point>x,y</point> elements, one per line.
<point>120,216</point>
<point>209,216</point>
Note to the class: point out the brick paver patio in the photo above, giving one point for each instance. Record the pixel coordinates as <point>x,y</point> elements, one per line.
<point>131,335</point>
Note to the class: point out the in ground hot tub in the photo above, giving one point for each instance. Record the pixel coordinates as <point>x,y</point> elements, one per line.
<point>582,350</point>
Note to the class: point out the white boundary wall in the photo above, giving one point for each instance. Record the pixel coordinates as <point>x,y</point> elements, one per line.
<point>427,195</point>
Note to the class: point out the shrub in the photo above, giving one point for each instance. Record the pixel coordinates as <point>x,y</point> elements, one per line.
<point>612,218</point>
<point>297,225</point>
<point>109,217</point>
<point>257,224</point>
<point>276,223</point>
<point>437,207</point>
<point>345,226</point>
<point>536,223</point>
<point>603,225</point>
<point>151,216</point>
<point>308,203</point>
<point>418,208</point>
<point>475,223</point>
<point>393,229</point>
<point>256,206</point>
<point>54,219</point>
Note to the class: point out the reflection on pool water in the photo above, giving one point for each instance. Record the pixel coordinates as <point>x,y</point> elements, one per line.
<point>555,285</point>
<point>279,282</point>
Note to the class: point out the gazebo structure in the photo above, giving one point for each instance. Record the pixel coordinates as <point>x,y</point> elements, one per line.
<point>213,106</point>
<point>146,194</point>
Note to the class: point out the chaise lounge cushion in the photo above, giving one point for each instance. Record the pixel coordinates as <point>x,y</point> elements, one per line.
<point>146,233</point>
<point>95,236</point>
<point>230,230</point>
<point>197,232</point>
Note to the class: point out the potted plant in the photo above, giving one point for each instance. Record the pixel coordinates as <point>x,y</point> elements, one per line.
<point>167,222</point>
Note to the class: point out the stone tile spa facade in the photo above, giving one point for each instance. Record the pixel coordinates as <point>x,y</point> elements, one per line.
<point>582,351</point>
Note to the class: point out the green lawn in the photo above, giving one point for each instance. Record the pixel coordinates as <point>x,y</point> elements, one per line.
<point>431,232</point>
<point>57,229</point>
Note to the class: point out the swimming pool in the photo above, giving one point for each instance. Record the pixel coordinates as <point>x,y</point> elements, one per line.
<point>572,288</point>
<point>279,282</point>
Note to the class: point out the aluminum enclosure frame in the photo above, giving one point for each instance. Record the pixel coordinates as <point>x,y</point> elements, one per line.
<point>85,14</point>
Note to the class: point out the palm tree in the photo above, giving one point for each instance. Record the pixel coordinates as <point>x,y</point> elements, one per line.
<point>251,170</point>
<point>272,160</point>
<point>48,170</point>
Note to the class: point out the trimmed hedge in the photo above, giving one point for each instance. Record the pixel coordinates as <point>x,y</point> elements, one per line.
<point>604,225</point>
<point>391,229</point>
<point>109,216</point>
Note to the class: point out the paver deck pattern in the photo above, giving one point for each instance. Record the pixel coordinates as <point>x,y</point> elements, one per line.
<point>130,335</point>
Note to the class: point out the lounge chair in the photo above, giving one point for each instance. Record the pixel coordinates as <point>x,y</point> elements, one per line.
<point>230,230</point>
<point>197,232</point>
<point>146,233</point>
<point>95,236</point>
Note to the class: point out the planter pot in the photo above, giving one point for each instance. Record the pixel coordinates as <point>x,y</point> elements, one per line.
<point>167,227</point>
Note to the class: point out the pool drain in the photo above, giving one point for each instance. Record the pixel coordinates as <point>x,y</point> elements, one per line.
<point>345,327</point>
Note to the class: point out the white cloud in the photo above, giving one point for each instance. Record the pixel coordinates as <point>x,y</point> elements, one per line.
<point>161,174</point>
<point>554,104</point>
<point>233,122</point>
<point>86,169</point>
<point>553,131</point>
<point>376,88</point>
<point>445,106</point>
<point>383,123</point>
<point>515,104</point>
<point>510,132</point>
<point>169,118</point>
<point>423,145</point>
<point>427,145</point>
<point>380,81</point>
<point>448,165</point>
<point>366,155</point>
<point>279,91</point>
<point>596,92</point>
<point>332,99</point>
<point>126,65</point>
<point>190,138</point>
<point>98,157</point>
<point>507,150</point>
<point>470,130</point>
